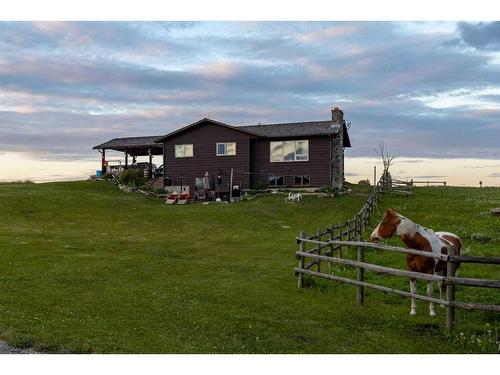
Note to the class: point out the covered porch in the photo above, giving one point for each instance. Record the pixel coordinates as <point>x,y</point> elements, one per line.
<point>132,148</point>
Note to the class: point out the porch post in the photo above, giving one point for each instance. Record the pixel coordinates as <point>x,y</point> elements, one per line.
<point>150,163</point>
<point>103,160</point>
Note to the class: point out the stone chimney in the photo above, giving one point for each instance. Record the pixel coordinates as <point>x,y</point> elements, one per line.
<point>337,115</point>
<point>337,151</point>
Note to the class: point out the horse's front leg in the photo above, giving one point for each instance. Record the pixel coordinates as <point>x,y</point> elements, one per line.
<point>432,312</point>
<point>413,290</point>
<point>442,291</point>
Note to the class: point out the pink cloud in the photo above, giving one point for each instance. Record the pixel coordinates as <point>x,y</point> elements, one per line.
<point>327,33</point>
<point>222,69</point>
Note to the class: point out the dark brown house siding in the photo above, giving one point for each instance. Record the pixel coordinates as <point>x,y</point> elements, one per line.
<point>317,168</point>
<point>204,138</point>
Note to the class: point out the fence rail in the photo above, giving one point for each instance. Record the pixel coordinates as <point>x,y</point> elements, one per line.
<point>450,280</point>
<point>428,183</point>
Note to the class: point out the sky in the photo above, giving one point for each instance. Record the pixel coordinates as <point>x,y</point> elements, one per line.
<point>429,90</point>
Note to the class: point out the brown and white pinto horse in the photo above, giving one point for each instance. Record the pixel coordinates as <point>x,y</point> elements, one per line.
<point>417,237</point>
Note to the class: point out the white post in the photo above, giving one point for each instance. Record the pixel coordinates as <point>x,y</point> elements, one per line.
<point>231,186</point>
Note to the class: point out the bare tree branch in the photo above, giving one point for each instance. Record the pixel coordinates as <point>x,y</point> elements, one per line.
<point>387,158</point>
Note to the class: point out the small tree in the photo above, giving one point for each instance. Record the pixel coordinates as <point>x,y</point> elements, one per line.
<point>387,160</point>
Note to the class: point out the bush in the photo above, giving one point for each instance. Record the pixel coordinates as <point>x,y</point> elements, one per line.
<point>133,176</point>
<point>329,190</point>
<point>261,185</point>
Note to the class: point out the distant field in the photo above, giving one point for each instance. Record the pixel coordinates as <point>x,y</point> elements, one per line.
<point>88,268</point>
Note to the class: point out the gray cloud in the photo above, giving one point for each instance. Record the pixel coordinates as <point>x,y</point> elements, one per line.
<point>65,87</point>
<point>482,35</point>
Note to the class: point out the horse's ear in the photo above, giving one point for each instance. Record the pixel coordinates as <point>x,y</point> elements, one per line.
<point>390,211</point>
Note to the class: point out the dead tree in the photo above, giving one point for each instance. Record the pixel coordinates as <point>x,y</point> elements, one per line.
<point>387,160</point>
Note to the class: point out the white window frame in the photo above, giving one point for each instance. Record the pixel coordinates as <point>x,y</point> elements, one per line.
<point>282,159</point>
<point>184,151</point>
<point>225,148</point>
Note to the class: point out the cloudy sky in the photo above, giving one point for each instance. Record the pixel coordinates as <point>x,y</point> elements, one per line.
<point>429,90</point>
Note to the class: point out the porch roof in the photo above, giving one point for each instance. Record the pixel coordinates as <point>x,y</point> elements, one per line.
<point>135,146</point>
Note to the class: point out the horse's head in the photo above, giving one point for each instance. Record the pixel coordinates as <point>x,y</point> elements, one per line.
<point>387,227</point>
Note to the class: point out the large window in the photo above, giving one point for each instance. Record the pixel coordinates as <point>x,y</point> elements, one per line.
<point>183,151</point>
<point>301,180</point>
<point>226,149</point>
<point>289,151</point>
<point>275,180</point>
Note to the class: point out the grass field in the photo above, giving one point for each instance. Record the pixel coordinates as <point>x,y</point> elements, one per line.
<point>87,268</point>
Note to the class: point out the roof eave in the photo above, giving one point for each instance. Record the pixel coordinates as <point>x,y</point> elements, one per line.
<point>187,127</point>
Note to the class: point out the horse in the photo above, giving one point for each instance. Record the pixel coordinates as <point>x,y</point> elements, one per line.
<point>417,237</point>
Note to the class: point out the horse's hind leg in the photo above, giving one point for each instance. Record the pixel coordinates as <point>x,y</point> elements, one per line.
<point>432,312</point>
<point>413,290</point>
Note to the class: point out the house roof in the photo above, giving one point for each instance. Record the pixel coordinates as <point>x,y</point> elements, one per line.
<point>184,128</point>
<point>140,145</point>
<point>299,129</point>
<point>293,129</point>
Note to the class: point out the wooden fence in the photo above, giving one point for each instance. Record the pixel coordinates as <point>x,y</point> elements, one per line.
<point>397,187</point>
<point>428,183</point>
<point>350,229</point>
<point>313,250</point>
<point>354,227</point>
<point>322,245</point>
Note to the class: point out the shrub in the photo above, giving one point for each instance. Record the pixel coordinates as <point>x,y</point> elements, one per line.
<point>330,190</point>
<point>133,176</point>
<point>261,185</point>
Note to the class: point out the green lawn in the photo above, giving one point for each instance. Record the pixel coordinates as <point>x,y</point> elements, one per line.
<point>88,268</point>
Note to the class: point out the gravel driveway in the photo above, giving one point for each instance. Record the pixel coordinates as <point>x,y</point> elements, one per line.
<point>7,349</point>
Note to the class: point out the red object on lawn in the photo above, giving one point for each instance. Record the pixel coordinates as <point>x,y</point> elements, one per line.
<point>172,198</point>
<point>183,199</point>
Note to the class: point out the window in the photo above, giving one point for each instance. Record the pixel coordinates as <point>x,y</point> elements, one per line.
<point>301,180</point>
<point>183,151</point>
<point>226,149</point>
<point>275,180</point>
<point>289,151</point>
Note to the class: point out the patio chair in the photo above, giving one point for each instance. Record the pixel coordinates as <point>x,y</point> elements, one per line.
<point>184,197</point>
<point>172,198</point>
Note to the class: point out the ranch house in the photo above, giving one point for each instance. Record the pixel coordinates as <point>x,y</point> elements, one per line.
<point>208,154</point>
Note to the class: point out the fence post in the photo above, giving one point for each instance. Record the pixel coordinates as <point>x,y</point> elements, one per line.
<point>369,209</point>
<point>356,225</point>
<point>451,268</point>
<point>300,276</point>
<point>318,236</point>
<point>330,238</point>
<point>361,275</point>
<point>340,239</point>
